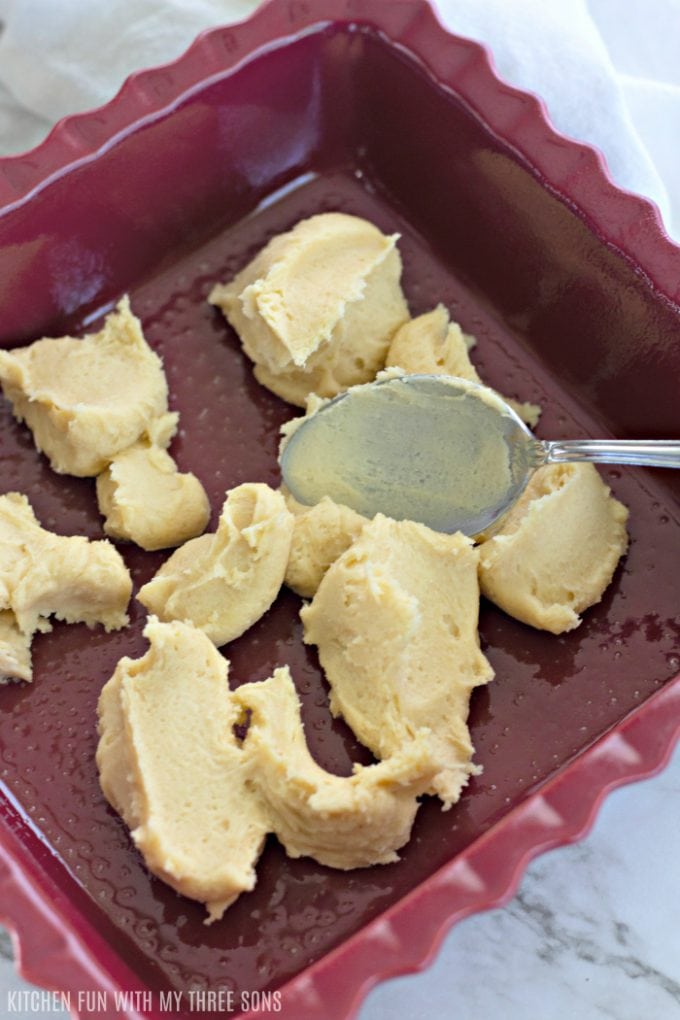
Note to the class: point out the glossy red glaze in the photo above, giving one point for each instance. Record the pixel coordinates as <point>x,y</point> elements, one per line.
<point>570,287</point>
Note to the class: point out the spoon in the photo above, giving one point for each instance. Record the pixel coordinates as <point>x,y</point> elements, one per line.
<point>436,449</point>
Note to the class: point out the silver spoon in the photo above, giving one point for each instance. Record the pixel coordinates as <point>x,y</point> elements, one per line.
<point>436,449</point>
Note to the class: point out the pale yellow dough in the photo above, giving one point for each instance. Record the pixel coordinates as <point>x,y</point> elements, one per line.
<point>321,534</point>
<point>315,310</point>
<point>146,500</point>
<point>43,575</point>
<point>170,764</point>
<point>557,549</point>
<point>15,650</point>
<point>85,400</point>
<point>395,622</point>
<point>199,803</point>
<point>343,822</point>
<point>224,582</point>
<point>433,345</point>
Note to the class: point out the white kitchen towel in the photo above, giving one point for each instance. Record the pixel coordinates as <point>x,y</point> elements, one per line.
<point>608,70</point>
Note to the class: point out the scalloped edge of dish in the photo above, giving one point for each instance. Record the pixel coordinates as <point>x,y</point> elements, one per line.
<point>50,951</point>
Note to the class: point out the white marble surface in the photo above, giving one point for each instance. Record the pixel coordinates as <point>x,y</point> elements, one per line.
<point>594,931</point>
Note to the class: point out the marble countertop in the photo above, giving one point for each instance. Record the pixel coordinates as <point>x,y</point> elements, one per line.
<point>593,931</point>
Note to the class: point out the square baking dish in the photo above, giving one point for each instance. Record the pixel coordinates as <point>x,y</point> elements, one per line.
<point>570,287</point>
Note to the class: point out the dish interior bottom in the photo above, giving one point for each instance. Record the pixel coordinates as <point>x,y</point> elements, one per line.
<point>552,696</point>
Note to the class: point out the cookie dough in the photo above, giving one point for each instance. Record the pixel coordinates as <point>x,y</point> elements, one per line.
<point>557,549</point>
<point>85,400</point>
<point>146,500</point>
<point>343,822</point>
<point>321,534</point>
<point>395,623</point>
<point>433,345</point>
<point>43,575</point>
<point>171,766</point>
<point>15,650</point>
<point>224,582</point>
<point>199,801</point>
<point>315,310</point>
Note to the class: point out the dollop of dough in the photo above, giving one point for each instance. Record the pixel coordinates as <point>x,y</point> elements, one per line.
<point>343,822</point>
<point>199,802</point>
<point>556,550</point>
<point>43,574</point>
<point>395,622</point>
<point>85,400</point>
<point>171,766</point>
<point>433,345</point>
<point>315,310</point>
<point>224,582</point>
<point>321,534</point>
<point>146,500</point>
<point>15,650</point>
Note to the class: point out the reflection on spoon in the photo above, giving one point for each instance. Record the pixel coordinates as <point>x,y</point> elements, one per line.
<point>436,449</point>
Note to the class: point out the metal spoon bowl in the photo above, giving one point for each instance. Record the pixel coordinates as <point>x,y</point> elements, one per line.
<point>436,449</point>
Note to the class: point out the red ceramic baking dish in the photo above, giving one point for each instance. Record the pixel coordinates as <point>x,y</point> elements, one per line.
<point>571,288</point>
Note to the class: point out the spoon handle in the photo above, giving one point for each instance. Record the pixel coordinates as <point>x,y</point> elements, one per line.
<point>646,452</point>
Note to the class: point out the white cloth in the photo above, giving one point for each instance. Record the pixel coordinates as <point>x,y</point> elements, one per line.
<point>608,70</point>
